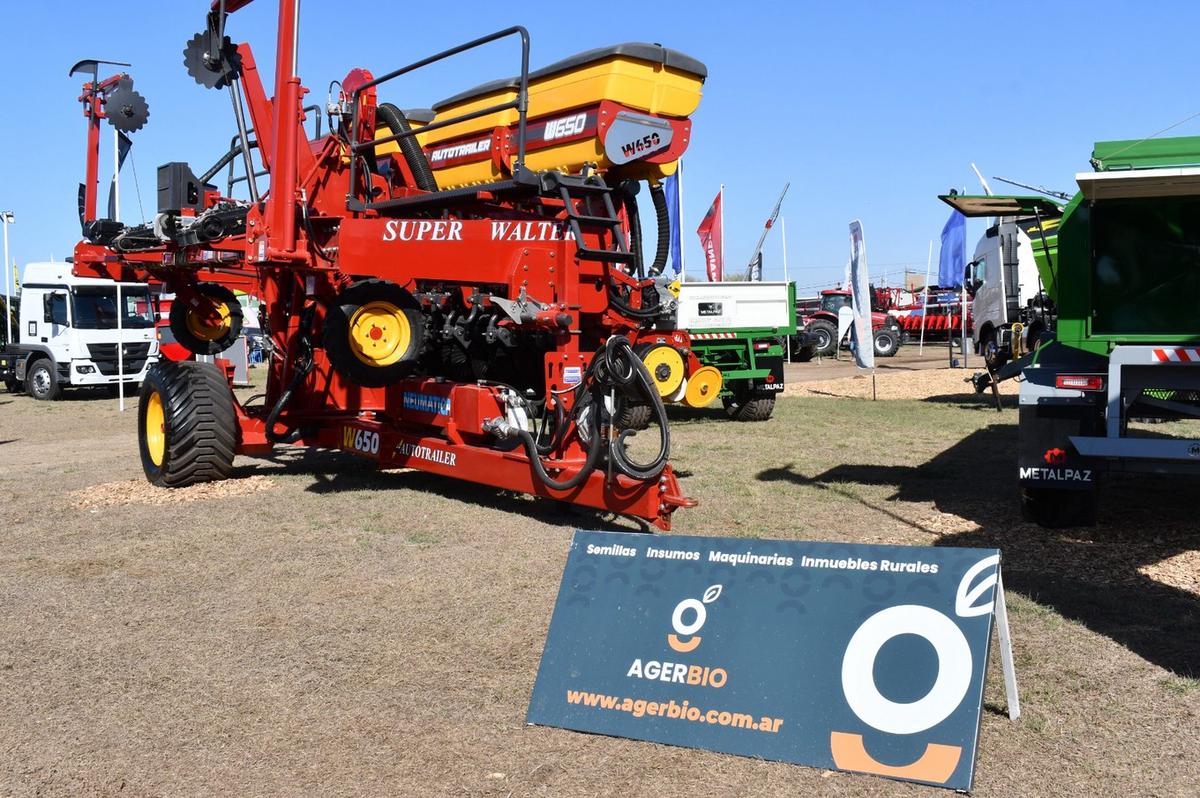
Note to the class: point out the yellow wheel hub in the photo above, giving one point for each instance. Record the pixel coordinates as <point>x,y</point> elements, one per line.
<point>156,429</point>
<point>703,387</point>
<point>380,334</point>
<point>666,367</point>
<point>211,328</point>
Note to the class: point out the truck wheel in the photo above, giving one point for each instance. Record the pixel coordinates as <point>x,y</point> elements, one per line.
<point>187,426</point>
<point>992,354</point>
<point>209,321</point>
<point>887,343</point>
<point>740,407</point>
<point>826,335</point>
<point>13,385</point>
<point>41,380</point>
<point>1056,509</point>
<point>374,333</point>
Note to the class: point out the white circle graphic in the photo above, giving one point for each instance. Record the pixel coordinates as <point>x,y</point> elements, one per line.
<point>953,676</point>
<point>694,626</point>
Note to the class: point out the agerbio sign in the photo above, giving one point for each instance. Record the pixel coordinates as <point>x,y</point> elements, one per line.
<point>860,658</point>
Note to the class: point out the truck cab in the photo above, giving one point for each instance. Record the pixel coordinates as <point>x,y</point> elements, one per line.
<point>1010,307</point>
<point>73,331</point>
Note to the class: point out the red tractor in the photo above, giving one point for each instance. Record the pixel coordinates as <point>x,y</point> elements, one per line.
<point>461,291</point>
<point>822,323</point>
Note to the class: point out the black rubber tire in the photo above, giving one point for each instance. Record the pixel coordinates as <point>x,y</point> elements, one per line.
<point>41,380</point>
<point>989,348</point>
<point>827,340</point>
<point>13,385</point>
<point>887,343</point>
<point>199,346</point>
<point>336,337</point>
<point>744,408</point>
<point>199,422</point>
<point>1058,509</point>
<point>635,416</point>
<point>414,156</point>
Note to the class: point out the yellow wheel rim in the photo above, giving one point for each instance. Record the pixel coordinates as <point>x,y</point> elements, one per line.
<point>380,334</point>
<point>703,387</point>
<point>666,367</point>
<point>156,429</point>
<point>204,328</point>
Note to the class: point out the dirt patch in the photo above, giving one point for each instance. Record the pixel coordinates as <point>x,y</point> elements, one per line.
<point>139,491</point>
<point>1181,571</point>
<point>917,384</point>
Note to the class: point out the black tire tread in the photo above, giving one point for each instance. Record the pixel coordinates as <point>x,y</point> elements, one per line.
<point>201,423</point>
<point>55,386</point>
<point>759,408</point>
<point>199,346</point>
<point>833,337</point>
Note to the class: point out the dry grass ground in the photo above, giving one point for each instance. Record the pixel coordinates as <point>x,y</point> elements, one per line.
<point>317,628</point>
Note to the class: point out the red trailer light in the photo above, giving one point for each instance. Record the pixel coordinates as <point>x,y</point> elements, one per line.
<point>762,346</point>
<point>1080,382</point>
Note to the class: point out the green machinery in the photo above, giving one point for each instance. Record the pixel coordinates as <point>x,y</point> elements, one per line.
<point>740,328</point>
<point>1125,282</point>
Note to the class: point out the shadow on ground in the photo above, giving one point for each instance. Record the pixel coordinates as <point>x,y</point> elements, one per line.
<point>337,472</point>
<point>1092,576</point>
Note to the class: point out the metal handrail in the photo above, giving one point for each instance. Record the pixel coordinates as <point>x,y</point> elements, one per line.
<point>235,149</point>
<point>521,104</point>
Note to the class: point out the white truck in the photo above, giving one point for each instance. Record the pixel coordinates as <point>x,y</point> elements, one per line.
<point>1010,307</point>
<point>69,331</point>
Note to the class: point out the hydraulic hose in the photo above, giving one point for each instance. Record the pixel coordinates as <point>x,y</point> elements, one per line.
<point>659,197</point>
<point>589,463</point>
<point>635,229</point>
<point>304,364</point>
<point>634,372</point>
<point>414,156</point>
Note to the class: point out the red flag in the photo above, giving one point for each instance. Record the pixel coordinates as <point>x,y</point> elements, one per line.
<point>710,240</point>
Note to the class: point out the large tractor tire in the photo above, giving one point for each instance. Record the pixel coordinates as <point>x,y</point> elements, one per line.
<point>208,321</point>
<point>41,380</point>
<point>743,407</point>
<point>187,425</point>
<point>374,333</point>
<point>887,343</point>
<point>827,338</point>
<point>1059,509</point>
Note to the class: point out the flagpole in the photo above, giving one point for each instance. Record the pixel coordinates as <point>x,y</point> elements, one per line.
<point>679,216</point>
<point>925,305</point>
<point>721,193</point>
<point>116,181</point>
<point>783,232</point>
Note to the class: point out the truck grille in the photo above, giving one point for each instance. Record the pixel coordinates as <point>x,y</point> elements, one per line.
<point>105,357</point>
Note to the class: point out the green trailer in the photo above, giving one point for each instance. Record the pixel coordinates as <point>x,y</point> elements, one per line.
<point>1126,349</point>
<point>740,328</point>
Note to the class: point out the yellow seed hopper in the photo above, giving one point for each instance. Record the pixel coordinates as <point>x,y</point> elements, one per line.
<point>623,108</point>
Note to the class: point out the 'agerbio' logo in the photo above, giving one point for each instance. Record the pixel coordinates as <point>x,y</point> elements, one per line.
<point>689,629</point>
<point>684,640</point>
<point>955,669</point>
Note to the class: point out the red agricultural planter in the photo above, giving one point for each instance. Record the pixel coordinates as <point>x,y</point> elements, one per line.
<point>461,290</point>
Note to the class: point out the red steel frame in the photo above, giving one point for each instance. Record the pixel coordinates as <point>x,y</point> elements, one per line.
<point>505,246</point>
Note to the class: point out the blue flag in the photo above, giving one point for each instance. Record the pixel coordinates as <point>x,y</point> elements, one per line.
<point>671,186</point>
<point>953,259</point>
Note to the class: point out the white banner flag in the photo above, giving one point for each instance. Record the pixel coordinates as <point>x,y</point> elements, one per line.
<point>863,340</point>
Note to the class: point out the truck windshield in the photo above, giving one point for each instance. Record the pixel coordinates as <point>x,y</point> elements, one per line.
<point>1145,265</point>
<point>96,308</point>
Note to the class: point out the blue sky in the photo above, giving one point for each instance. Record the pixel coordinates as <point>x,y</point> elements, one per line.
<point>869,109</point>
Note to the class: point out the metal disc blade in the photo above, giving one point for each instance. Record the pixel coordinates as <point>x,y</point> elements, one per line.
<point>213,71</point>
<point>125,109</point>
